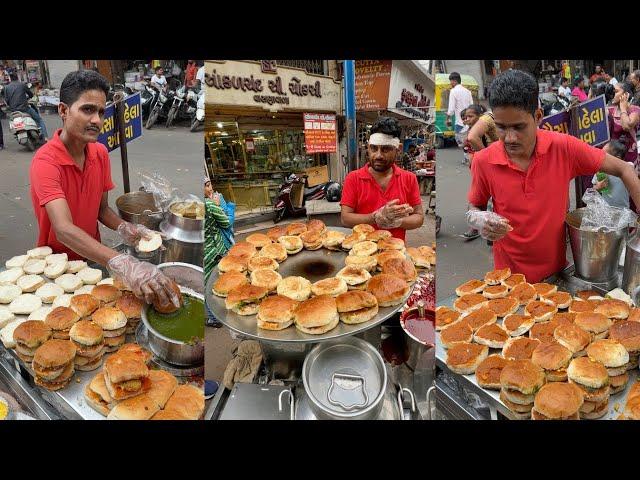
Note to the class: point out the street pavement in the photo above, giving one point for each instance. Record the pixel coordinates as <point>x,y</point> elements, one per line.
<point>175,153</point>
<point>459,260</point>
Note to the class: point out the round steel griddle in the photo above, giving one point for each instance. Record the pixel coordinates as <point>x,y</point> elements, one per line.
<point>314,265</point>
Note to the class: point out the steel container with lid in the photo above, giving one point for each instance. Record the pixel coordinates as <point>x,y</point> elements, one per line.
<point>345,380</point>
<point>631,272</point>
<point>185,238</point>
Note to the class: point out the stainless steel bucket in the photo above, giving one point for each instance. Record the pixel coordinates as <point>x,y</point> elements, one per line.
<point>595,254</point>
<point>631,273</point>
<point>139,207</point>
<point>185,239</point>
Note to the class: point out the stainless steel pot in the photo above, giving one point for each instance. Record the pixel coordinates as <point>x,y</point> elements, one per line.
<point>173,351</point>
<point>631,272</point>
<point>185,239</point>
<point>345,380</point>
<point>595,254</point>
<point>140,207</point>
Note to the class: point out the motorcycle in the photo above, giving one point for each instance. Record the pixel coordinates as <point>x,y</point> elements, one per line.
<point>293,186</point>
<point>552,103</point>
<point>183,107</point>
<point>25,130</point>
<point>147,97</point>
<point>160,108</point>
<point>198,116</point>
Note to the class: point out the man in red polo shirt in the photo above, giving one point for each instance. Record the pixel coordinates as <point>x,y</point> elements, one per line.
<point>70,181</point>
<point>381,193</point>
<point>527,173</point>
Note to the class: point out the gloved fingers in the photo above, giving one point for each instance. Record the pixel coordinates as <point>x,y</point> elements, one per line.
<point>166,284</point>
<point>148,292</point>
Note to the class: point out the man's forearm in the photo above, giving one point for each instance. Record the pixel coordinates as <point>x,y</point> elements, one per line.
<point>352,219</point>
<point>109,218</point>
<point>413,221</point>
<point>83,244</point>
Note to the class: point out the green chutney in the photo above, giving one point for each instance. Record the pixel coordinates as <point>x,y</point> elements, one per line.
<point>185,324</point>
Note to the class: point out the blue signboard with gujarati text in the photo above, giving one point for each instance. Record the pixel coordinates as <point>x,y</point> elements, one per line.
<point>109,135</point>
<point>588,121</point>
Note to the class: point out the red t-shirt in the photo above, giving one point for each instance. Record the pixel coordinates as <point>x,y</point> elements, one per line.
<point>362,193</point>
<point>55,175</point>
<point>535,201</point>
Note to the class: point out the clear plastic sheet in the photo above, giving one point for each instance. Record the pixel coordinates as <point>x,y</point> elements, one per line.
<point>160,187</point>
<point>600,216</point>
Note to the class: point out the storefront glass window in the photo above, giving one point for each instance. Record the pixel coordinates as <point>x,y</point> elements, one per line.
<point>249,162</point>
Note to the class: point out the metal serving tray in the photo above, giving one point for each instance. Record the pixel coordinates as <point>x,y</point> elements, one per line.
<point>491,397</point>
<point>313,265</point>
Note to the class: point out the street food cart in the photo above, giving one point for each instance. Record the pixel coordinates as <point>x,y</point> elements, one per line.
<point>372,370</point>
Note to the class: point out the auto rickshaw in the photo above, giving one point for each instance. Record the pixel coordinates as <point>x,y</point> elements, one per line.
<point>444,133</point>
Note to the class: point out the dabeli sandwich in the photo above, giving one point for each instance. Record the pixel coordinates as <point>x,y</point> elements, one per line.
<point>366,263</point>
<point>477,318</point>
<point>445,317</point>
<point>276,312</point>
<point>513,280</point>
<point>311,239</point>
<point>132,307</point>
<point>296,288</point>
<point>491,335</point>
<point>296,228</point>
<point>258,240</point>
<point>229,281</point>
<point>419,258</point>
<point>28,336</point>
<point>266,278</point>
<point>231,263</point>
<point>259,262</point>
<point>88,339</point>
<point>469,302</point>
<point>351,240</point>
<point>355,277</point>
<point>292,243</point>
<point>613,308</point>
<point>114,325</point>
<point>495,277</point>
<point>246,299</point>
<point>554,359</point>
<point>126,375</point>
<point>97,395</point>
<point>388,289</point>
<point>275,251</point>
<point>520,380</point>
<point>142,407</point>
<point>243,250</point>
<point>329,286</point>
<point>557,401</point>
<point>316,225</point>
<point>53,364</point>
<point>84,304</point>
<point>464,358</point>
<point>356,306</point>
<point>574,338</point>
<point>596,324</point>
<point>276,232</point>
<point>106,294</point>
<point>489,370</point>
<point>401,268</point>
<point>519,348</point>
<point>382,257</point>
<point>364,248</point>
<point>332,240</point>
<point>60,320</point>
<point>364,228</point>
<point>593,380</point>
<point>316,315</point>
<point>458,332</point>
<point>615,358</point>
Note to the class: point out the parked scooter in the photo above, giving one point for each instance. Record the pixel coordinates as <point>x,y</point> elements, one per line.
<point>25,130</point>
<point>147,98</point>
<point>198,116</point>
<point>285,206</point>
<point>552,103</point>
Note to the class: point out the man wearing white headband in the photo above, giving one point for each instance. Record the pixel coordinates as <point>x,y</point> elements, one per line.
<point>381,193</point>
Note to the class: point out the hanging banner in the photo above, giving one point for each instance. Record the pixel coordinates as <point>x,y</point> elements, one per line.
<point>588,121</point>
<point>320,133</point>
<point>109,135</point>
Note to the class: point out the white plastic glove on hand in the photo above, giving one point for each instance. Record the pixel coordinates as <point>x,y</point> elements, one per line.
<point>145,280</point>
<point>490,225</point>
<point>132,233</point>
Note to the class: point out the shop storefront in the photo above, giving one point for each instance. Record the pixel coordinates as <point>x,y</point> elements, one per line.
<point>392,88</point>
<point>264,122</point>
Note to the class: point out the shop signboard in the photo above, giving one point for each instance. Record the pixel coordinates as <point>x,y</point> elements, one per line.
<point>588,121</point>
<point>372,84</point>
<point>109,135</point>
<point>248,83</point>
<point>249,145</point>
<point>319,133</point>
<point>410,93</point>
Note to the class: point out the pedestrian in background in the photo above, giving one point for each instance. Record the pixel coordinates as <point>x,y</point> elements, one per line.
<point>611,187</point>
<point>624,119</point>
<point>17,96</point>
<point>409,158</point>
<point>634,79</point>
<point>190,74</point>
<point>459,99</point>
<point>563,89</point>
<point>578,89</point>
<point>216,220</point>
